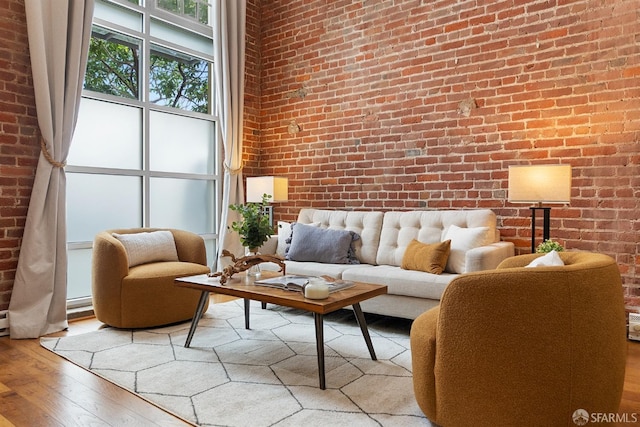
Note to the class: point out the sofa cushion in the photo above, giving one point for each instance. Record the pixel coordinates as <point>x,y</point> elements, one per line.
<point>366,224</point>
<point>430,258</point>
<point>463,239</point>
<point>314,268</point>
<point>323,245</point>
<point>401,282</point>
<point>148,247</point>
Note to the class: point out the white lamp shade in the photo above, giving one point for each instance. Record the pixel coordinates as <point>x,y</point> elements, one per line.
<point>540,184</point>
<point>275,186</point>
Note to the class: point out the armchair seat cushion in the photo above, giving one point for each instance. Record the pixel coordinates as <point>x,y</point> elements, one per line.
<point>157,270</point>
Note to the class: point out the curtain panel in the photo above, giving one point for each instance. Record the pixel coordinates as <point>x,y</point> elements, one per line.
<point>229,63</point>
<point>59,33</point>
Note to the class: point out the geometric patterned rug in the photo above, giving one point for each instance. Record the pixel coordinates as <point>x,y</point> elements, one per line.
<point>265,376</point>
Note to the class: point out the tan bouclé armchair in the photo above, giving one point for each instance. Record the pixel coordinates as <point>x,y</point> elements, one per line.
<point>523,346</point>
<point>144,295</point>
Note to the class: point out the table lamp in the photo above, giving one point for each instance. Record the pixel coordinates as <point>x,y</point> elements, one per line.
<point>275,186</point>
<point>540,184</point>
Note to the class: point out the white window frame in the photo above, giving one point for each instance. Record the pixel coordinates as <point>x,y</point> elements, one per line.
<point>148,13</point>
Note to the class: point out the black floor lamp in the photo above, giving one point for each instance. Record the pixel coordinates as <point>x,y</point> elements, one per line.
<point>540,184</point>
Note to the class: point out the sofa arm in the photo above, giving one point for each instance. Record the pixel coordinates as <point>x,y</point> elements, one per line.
<point>270,246</point>
<point>488,257</point>
<point>423,359</point>
<point>110,265</point>
<point>518,261</point>
<point>190,247</point>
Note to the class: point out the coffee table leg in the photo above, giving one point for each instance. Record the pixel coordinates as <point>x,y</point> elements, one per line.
<point>320,347</point>
<point>247,307</point>
<point>365,331</point>
<point>196,317</point>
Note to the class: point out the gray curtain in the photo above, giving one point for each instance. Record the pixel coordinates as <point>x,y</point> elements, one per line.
<point>229,47</point>
<point>59,34</point>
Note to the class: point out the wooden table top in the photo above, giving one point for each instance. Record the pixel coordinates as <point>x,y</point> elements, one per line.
<point>242,286</point>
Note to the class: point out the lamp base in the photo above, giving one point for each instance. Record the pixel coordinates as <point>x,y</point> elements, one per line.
<point>268,210</point>
<point>545,225</point>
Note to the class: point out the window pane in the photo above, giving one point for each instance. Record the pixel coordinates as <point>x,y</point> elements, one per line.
<point>79,273</point>
<point>187,204</point>
<point>113,66</point>
<point>196,10</point>
<point>210,246</point>
<point>118,15</point>
<point>107,135</point>
<point>195,42</point>
<point>180,144</point>
<point>178,80</point>
<point>101,202</point>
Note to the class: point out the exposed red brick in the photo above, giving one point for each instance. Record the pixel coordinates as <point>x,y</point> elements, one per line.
<point>19,149</point>
<point>553,82</point>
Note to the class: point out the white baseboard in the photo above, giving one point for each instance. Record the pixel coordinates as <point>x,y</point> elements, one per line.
<point>4,323</point>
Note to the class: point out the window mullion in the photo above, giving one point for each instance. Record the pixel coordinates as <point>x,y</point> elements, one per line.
<point>146,181</point>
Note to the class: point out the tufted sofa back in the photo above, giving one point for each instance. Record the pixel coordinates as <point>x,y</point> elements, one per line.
<point>384,236</point>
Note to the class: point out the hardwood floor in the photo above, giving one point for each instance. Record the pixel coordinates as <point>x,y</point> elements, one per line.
<point>38,388</point>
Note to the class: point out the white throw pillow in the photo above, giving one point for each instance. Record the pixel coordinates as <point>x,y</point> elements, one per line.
<point>462,240</point>
<point>284,233</point>
<point>148,246</point>
<point>551,259</point>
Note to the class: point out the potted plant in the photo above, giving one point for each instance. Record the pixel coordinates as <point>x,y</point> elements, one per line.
<point>548,246</point>
<point>254,228</point>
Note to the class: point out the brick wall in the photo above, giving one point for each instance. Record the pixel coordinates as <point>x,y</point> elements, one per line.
<point>424,105</point>
<point>251,141</point>
<point>19,147</point>
<point>411,105</point>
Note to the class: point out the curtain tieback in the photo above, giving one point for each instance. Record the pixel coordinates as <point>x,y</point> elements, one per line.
<point>233,171</point>
<point>49,157</point>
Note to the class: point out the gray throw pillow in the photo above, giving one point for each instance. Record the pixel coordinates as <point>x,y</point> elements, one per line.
<point>309,243</point>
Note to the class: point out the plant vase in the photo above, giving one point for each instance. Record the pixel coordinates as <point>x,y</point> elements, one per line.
<point>253,271</point>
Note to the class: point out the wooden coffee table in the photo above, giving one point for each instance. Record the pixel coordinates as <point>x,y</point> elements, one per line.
<point>242,286</point>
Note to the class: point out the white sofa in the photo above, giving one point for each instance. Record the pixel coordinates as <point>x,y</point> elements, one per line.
<point>384,237</point>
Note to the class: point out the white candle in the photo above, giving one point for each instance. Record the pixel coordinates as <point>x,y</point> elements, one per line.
<point>316,289</point>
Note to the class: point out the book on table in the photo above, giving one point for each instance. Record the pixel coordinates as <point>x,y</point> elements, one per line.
<point>297,282</point>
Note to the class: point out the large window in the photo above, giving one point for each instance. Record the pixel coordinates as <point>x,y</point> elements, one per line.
<point>145,152</point>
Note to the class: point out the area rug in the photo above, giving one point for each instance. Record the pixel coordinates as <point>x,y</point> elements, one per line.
<point>263,376</point>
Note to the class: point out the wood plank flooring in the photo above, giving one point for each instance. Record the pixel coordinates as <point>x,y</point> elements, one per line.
<point>38,388</point>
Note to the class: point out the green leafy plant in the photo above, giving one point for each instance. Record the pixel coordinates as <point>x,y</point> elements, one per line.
<point>254,229</point>
<point>548,246</point>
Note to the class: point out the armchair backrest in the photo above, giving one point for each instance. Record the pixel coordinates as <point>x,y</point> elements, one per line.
<point>190,246</point>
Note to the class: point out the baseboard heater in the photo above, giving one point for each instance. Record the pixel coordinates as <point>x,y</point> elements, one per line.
<point>4,323</point>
